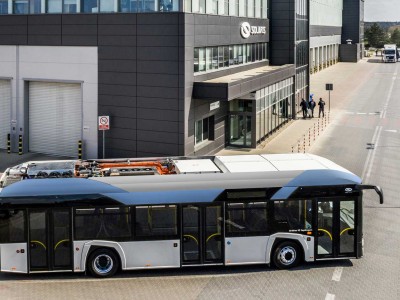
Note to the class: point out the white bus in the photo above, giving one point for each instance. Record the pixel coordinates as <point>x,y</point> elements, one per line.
<point>280,210</point>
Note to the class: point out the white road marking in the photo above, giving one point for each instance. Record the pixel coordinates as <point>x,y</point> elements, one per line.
<point>383,114</point>
<point>337,274</point>
<point>360,113</point>
<point>371,163</point>
<point>330,296</point>
<point>391,130</point>
<point>350,112</point>
<point>369,155</point>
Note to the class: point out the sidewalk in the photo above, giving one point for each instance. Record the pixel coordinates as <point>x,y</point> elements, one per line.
<point>298,135</point>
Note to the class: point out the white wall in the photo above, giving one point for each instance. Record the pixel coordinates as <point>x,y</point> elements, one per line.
<point>54,63</point>
<point>326,12</point>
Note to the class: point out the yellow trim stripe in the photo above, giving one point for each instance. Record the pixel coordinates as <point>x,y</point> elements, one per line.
<point>344,230</point>
<point>192,237</point>
<point>62,241</point>
<point>326,231</point>
<point>40,243</point>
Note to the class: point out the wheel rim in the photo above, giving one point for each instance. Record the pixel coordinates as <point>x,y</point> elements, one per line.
<point>103,264</point>
<point>287,255</point>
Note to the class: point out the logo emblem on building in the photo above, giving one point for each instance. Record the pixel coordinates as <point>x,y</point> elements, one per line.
<point>246,30</point>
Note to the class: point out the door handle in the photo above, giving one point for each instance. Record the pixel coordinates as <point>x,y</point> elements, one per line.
<point>20,250</point>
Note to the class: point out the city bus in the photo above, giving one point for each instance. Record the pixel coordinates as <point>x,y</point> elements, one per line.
<point>279,210</point>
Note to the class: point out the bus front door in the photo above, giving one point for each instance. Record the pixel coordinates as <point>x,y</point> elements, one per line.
<point>50,240</point>
<point>336,235</point>
<point>202,235</point>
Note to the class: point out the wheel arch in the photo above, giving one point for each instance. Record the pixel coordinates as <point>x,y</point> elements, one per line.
<point>90,247</point>
<point>276,239</point>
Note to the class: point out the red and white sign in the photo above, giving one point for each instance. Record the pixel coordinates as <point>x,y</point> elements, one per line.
<point>104,122</point>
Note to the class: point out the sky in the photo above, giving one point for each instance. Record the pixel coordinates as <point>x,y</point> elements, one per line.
<point>381,10</point>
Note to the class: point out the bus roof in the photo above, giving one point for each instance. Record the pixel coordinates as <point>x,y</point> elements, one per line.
<point>137,190</point>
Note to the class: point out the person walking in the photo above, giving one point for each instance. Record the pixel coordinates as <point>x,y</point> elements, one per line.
<point>321,105</point>
<point>304,107</point>
<point>312,106</point>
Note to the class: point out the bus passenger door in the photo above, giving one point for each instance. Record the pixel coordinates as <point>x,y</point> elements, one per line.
<point>50,240</point>
<point>13,246</point>
<point>336,235</point>
<point>202,235</point>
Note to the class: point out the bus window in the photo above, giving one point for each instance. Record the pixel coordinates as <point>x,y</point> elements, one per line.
<point>246,219</point>
<point>12,226</point>
<point>106,223</point>
<point>158,222</point>
<point>347,209</point>
<point>292,215</point>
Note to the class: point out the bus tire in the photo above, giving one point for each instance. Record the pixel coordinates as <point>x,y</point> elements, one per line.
<point>103,263</point>
<point>286,255</point>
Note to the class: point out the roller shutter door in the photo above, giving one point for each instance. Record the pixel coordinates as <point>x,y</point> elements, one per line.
<point>55,118</point>
<point>5,111</point>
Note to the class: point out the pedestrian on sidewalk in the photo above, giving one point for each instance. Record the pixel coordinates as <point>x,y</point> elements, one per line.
<point>304,107</point>
<point>321,105</point>
<point>312,106</point>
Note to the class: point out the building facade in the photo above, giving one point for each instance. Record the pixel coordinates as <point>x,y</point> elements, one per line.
<point>326,21</point>
<point>175,77</point>
<point>336,32</point>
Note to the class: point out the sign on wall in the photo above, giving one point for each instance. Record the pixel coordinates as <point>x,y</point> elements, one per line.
<point>104,122</point>
<point>246,30</point>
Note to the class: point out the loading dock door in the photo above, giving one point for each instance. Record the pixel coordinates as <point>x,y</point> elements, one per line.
<point>55,118</point>
<point>5,111</point>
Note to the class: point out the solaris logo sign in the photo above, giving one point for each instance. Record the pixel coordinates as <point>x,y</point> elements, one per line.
<point>245,30</point>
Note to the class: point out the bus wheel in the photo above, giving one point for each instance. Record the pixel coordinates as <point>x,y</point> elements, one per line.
<point>286,255</point>
<point>103,263</point>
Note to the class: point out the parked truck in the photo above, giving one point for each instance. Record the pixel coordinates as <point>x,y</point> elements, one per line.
<point>390,53</point>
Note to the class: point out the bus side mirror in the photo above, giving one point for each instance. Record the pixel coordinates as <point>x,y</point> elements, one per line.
<point>377,189</point>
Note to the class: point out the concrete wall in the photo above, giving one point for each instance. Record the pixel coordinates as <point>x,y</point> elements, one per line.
<point>350,53</point>
<point>57,64</point>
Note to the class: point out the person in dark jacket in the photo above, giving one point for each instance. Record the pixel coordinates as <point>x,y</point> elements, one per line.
<point>304,107</point>
<point>312,106</point>
<point>321,105</point>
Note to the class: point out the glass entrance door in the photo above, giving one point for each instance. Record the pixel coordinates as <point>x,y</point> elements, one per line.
<point>201,234</point>
<point>336,229</point>
<point>240,130</point>
<point>50,240</point>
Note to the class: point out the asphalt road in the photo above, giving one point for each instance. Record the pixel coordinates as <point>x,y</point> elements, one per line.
<point>363,137</point>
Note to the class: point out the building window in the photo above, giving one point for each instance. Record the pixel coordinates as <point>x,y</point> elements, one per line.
<point>204,130</point>
<point>213,58</point>
<point>26,6</point>
<point>3,7</point>
<point>61,6</point>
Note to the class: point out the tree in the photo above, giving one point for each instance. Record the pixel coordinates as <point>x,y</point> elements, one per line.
<point>376,36</point>
<point>395,38</point>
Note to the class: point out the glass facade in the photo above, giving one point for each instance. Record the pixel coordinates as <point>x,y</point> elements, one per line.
<point>251,121</point>
<point>208,59</point>
<point>241,8</point>
<point>273,107</point>
<point>87,6</point>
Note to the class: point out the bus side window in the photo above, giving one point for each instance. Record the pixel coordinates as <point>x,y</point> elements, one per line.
<point>156,222</point>
<point>292,215</point>
<point>12,226</point>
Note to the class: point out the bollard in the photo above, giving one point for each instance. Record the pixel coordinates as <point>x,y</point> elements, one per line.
<point>314,131</point>
<point>298,146</point>
<point>8,143</point>
<point>292,149</point>
<point>318,127</point>
<point>20,145</point>
<point>309,137</point>
<point>304,143</point>
<point>79,149</point>
<point>328,117</point>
